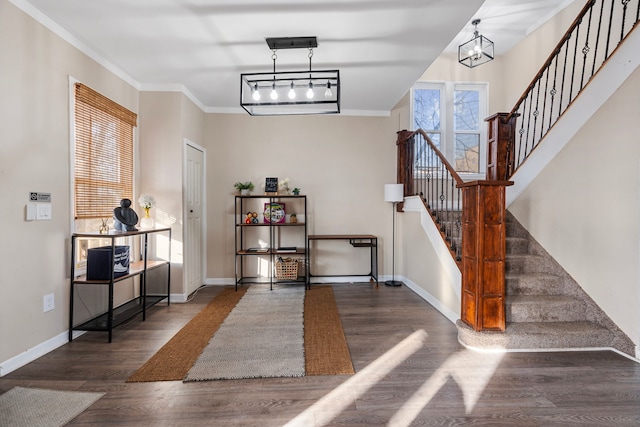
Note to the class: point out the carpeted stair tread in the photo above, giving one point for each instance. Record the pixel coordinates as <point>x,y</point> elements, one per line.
<point>539,335</point>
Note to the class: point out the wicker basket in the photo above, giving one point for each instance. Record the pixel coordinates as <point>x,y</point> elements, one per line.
<point>287,269</point>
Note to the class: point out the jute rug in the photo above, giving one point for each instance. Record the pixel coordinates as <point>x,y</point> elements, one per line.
<point>29,407</point>
<point>325,347</point>
<point>263,337</point>
<point>177,356</point>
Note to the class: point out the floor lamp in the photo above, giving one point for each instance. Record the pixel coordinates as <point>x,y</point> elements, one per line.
<point>394,193</point>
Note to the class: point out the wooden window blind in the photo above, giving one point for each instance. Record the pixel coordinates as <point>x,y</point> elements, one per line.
<point>103,154</point>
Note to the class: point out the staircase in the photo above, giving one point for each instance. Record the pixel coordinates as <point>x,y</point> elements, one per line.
<point>545,308</point>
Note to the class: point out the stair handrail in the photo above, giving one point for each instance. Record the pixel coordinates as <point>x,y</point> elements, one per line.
<point>534,121</point>
<point>425,172</point>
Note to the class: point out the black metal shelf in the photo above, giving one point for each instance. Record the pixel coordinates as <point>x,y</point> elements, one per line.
<point>244,239</point>
<point>114,315</point>
<point>120,314</point>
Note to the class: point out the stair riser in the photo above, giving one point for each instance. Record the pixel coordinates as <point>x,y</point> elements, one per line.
<point>534,285</point>
<point>528,264</point>
<point>517,245</point>
<point>549,312</point>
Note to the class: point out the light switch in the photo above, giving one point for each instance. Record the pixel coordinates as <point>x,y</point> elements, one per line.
<point>44,211</point>
<point>31,211</point>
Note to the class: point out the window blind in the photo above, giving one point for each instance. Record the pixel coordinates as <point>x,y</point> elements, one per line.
<point>103,154</point>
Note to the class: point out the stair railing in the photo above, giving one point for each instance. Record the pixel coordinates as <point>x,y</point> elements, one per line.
<point>471,218</point>
<point>590,40</point>
<point>425,172</point>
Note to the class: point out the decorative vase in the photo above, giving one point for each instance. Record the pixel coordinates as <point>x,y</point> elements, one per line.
<point>244,192</point>
<point>146,221</point>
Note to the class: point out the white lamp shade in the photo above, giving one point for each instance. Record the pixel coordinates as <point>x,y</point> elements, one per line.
<point>393,192</point>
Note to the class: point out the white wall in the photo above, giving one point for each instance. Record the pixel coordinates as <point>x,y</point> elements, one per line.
<point>35,156</point>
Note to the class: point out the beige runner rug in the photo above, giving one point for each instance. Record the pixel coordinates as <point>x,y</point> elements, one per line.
<point>263,337</point>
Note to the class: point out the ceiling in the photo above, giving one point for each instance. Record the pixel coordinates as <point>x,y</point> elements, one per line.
<point>201,47</point>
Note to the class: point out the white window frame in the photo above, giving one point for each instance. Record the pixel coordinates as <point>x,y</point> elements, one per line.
<point>447,133</point>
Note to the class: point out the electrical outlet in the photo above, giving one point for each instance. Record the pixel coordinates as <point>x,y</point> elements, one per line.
<point>49,302</point>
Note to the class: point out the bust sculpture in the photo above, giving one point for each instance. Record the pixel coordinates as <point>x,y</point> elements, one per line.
<point>125,218</point>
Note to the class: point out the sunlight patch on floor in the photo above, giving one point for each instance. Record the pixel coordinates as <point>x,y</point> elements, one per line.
<point>470,370</point>
<point>330,406</point>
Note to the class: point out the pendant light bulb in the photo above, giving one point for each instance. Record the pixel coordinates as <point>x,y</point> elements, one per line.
<point>328,93</point>
<point>255,95</point>
<point>292,92</point>
<point>310,91</point>
<point>274,94</point>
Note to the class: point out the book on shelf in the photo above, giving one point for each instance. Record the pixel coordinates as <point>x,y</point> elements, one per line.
<point>258,250</point>
<point>287,249</point>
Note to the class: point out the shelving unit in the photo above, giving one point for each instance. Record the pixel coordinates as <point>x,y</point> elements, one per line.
<point>97,296</point>
<point>257,244</point>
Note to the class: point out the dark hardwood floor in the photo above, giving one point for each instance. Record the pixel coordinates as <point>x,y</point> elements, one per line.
<point>411,370</point>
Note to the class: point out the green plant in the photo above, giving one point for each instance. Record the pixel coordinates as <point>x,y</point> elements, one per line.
<point>248,185</point>
<point>296,191</point>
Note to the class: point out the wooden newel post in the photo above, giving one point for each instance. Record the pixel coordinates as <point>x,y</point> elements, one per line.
<point>405,163</point>
<point>500,138</point>
<point>483,255</point>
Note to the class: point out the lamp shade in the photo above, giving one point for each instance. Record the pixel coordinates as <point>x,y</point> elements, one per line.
<point>393,192</point>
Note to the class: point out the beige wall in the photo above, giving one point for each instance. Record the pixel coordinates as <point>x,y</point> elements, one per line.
<point>584,208</point>
<point>340,162</point>
<point>35,156</point>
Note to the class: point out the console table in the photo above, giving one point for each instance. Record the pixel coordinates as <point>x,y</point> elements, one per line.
<point>357,241</point>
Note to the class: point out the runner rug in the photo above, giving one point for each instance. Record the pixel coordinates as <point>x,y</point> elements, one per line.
<point>263,337</point>
<point>28,407</point>
<point>325,348</point>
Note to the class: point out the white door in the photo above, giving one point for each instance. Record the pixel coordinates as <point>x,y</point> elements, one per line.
<point>194,230</point>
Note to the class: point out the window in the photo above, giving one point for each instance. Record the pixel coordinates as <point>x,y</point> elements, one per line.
<point>103,169</point>
<point>452,114</point>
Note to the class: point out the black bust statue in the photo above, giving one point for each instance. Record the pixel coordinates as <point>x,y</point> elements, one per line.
<point>125,218</point>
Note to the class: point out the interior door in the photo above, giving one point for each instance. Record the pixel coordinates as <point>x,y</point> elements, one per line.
<point>194,230</point>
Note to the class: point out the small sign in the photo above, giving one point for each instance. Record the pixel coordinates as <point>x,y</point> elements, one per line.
<point>271,185</point>
<point>39,197</point>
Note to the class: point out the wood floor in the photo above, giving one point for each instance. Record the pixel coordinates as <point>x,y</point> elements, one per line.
<point>410,370</point>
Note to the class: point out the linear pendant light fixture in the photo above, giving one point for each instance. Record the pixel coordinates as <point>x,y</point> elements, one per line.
<point>291,92</point>
<point>476,51</point>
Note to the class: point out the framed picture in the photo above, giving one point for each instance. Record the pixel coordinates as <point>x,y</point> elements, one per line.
<point>271,185</point>
<point>274,212</point>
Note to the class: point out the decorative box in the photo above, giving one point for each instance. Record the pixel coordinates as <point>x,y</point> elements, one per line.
<point>99,263</point>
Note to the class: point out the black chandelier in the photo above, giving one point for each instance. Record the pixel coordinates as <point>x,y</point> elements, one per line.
<point>291,92</point>
<point>476,51</point>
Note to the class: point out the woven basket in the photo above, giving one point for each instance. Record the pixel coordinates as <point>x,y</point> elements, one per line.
<point>287,269</point>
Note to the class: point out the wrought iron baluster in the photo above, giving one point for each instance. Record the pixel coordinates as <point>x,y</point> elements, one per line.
<point>586,49</point>
<point>606,52</point>
<point>544,102</point>
<point>595,52</point>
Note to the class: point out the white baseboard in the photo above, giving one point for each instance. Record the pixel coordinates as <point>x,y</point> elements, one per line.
<point>34,353</point>
<point>433,301</point>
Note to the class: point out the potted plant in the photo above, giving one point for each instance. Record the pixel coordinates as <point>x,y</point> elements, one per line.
<point>244,188</point>
<point>296,191</point>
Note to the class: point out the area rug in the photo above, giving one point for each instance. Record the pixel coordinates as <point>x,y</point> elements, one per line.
<point>263,337</point>
<point>177,356</point>
<point>325,346</point>
<point>28,407</point>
